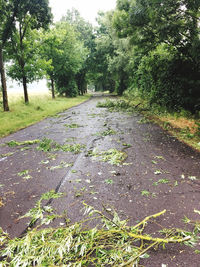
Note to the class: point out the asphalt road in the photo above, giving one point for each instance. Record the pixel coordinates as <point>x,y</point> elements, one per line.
<point>159,173</point>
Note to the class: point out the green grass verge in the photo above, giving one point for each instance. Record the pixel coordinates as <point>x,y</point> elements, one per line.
<point>183,125</point>
<point>40,107</point>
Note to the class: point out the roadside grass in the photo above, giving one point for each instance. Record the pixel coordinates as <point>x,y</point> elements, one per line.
<point>184,128</point>
<point>183,125</point>
<point>41,106</point>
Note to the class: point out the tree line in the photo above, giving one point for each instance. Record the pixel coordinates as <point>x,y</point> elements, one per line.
<point>153,47</point>
<point>32,47</point>
<point>148,46</point>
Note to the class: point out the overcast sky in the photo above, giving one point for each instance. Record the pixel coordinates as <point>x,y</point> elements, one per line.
<point>87,8</point>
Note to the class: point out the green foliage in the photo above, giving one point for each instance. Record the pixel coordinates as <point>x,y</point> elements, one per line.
<point>157,172</point>
<point>39,211</point>
<point>159,157</point>
<point>150,23</point>
<point>145,193</point>
<point>35,12</point>
<point>113,244</point>
<point>112,156</point>
<point>109,181</point>
<point>72,126</point>
<point>75,148</point>
<point>5,21</point>
<point>61,166</point>
<point>107,132</point>
<point>116,105</point>
<point>198,128</point>
<point>164,63</point>
<point>165,78</point>
<point>6,155</point>
<point>161,181</point>
<point>22,49</point>
<point>25,174</point>
<point>126,145</point>
<point>22,173</point>
<point>143,121</point>
<point>103,78</point>
<point>31,65</point>
<point>48,145</point>
<point>111,57</point>
<point>185,132</point>
<point>14,143</point>
<point>85,34</point>
<point>62,47</point>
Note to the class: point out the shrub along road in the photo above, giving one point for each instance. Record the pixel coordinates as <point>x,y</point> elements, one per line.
<point>109,159</point>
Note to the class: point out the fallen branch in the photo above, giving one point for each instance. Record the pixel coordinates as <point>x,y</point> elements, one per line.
<point>111,244</point>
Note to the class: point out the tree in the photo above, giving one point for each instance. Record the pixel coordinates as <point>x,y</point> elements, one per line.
<point>31,14</point>
<point>26,66</point>
<point>119,64</point>
<point>49,51</point>
<point>86,35</point>
<point>67,55</point>
<point>151,22</point>
<point>112,57</point>
<point>159,29</point>
<point>3,81</point>
<point>7,17</point>
<point>103,79</point>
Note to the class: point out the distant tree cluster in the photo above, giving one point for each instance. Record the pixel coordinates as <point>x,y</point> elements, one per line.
<point>36,48</point>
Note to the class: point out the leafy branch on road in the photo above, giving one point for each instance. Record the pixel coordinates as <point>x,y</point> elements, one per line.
<point>14,143</point>
<point>107,132</point>
<point>112,156</point>
<point>48,145</point>
<point>117,105</point>
<point>72,126</point>
<point>113,243</point>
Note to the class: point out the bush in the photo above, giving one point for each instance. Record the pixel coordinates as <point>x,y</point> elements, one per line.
<point>67,88</point>
<point>169,80</point>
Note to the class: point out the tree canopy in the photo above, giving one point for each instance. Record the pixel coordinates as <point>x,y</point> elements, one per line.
<point>62,47</point>
<point>165,38</point>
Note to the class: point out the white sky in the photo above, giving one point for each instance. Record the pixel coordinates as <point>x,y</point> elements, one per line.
<point>87,8</point>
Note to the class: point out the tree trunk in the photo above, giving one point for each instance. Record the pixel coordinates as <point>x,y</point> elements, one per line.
<point>52,89</point>
<point>25,90</point>
<point>22,62</point>
<point>3,82</point>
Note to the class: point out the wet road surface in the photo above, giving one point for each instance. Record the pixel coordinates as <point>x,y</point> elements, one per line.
<point>159,173</point>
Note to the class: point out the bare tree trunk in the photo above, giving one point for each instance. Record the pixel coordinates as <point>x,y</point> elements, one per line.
<point>25,90</point>
<point>3,82</point>
<point>52,89</point>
